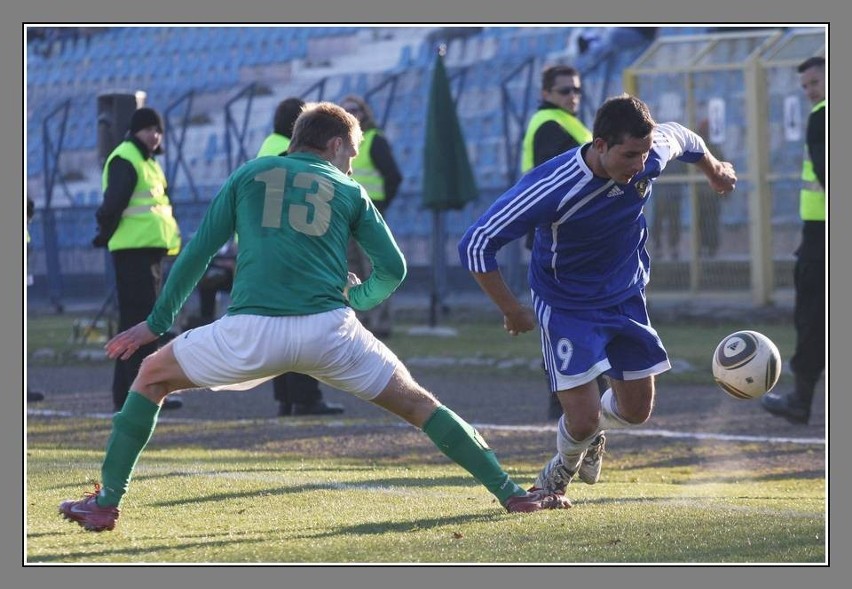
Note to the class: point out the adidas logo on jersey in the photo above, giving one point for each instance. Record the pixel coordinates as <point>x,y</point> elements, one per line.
<point>614,191</point>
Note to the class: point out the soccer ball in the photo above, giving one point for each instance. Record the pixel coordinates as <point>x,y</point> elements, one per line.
<point>746,364</point>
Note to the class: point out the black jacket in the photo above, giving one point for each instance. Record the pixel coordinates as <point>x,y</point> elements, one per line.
<point>550,139</point>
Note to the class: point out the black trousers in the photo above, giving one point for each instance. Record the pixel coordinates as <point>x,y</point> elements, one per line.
<point>295,388</point>
<point>138,280</point>
<point>808,360</point>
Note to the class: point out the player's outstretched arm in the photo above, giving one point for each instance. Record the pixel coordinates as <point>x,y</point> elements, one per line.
<point>125,344</point>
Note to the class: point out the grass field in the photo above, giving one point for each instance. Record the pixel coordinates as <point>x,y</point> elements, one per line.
<point>711,480</point>
<point>192,505</point>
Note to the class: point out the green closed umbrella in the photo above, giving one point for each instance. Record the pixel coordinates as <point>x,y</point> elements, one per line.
<point>448,181</point>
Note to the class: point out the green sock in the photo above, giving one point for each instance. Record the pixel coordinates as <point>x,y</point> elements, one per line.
<point>131,429</point>
<point>462,443</point>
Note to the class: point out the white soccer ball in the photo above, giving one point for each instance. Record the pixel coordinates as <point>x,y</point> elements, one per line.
<point>746,364</point>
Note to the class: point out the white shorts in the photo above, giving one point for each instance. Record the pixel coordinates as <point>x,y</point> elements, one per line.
<point>239,352</point>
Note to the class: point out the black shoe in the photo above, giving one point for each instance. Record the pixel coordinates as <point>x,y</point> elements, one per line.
<point>284,409</point>
<point>781,405</point>
<point>172,403</point>
<point>317,408</point>
<point>34,396</point>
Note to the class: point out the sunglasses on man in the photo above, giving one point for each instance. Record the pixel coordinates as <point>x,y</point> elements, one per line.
<point>566,90</point>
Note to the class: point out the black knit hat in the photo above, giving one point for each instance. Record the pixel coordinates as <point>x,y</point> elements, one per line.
<point>143,118</point>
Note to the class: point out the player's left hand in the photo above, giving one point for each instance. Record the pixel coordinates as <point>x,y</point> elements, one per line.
<point>125,344</point>
<point>351,280</point>
<point>519,321</point>
<point>724,178</point>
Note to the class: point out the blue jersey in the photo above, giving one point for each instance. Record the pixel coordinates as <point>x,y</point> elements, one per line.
<point>590,232</point>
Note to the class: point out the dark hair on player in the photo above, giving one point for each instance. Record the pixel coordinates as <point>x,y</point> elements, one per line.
<point>620,117</point>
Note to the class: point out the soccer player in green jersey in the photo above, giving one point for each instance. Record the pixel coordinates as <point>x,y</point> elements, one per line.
<point>293,309</point>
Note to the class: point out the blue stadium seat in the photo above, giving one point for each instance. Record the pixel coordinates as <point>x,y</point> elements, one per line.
<point>216,55</point>
<point>212,148</point>
<point>405,57</point>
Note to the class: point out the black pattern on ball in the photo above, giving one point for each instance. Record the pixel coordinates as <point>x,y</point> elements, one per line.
<point>733,391</point>
<point>737,350</point>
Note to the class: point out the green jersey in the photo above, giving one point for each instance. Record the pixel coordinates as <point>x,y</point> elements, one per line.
<point>294,217</point>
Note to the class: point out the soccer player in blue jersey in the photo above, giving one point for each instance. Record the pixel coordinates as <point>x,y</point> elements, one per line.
<point>588,272</point>
<point>293,309</point>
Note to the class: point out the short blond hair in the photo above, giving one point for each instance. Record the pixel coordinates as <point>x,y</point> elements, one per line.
<point>319,123</point>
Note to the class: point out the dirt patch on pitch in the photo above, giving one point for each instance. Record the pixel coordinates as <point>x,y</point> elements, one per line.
<point>690,420</point>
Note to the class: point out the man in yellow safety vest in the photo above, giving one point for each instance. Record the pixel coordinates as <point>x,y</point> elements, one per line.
<point>808,360</point>
<point>136,224</point>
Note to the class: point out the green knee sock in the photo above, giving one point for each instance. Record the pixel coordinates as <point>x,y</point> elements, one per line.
<point>462,443</point>
<point>131,429</point>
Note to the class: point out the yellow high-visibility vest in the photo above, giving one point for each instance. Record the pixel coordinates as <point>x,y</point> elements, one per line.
<point>147,221</point>
<point>274,144</point>
<point>812,194</point>
<point>566,120</point>
<point>363,170</point>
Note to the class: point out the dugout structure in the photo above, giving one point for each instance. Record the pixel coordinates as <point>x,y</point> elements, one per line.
<point>740,91</point>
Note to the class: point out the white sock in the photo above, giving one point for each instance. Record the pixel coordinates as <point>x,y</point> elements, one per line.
<point>610,417</point>
<point>570,449</point>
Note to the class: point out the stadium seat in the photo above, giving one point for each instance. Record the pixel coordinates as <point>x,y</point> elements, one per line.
<point>212,147</point>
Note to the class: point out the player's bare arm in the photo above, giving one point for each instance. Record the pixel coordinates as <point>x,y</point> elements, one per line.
<point>516,317</point>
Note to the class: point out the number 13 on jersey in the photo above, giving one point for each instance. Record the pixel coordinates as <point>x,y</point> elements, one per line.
<point>312,218</point>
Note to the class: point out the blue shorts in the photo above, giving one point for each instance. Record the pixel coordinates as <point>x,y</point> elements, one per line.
<point>579,345</point>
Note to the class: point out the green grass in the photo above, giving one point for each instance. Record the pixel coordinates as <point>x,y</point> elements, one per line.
<point>197,506</point>
<point>289,497</point>
<point>51,338</point>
